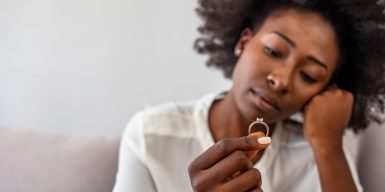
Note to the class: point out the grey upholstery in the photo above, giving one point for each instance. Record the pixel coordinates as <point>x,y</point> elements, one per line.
<point>371,159</point>
<point>46,162</point>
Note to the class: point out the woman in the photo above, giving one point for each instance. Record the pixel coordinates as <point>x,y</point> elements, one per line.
<point>322,59</point>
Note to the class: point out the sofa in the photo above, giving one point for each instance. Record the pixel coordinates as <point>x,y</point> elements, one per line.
<point>33,161</point>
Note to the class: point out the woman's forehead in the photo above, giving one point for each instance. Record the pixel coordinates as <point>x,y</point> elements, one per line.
<point>298,22</point>
<point>308,30</point>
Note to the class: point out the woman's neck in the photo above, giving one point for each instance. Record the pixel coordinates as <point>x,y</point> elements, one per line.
<point>225,121</point>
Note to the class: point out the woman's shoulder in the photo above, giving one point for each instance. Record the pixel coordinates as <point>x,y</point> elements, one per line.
<point>168,114</point>
<point>172,118</point>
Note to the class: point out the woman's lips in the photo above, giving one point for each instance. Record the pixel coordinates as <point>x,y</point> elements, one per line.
<point>264,101</point>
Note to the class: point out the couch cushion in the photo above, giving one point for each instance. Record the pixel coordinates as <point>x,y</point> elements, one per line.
<point>371,158</point>
<point>46,162</point>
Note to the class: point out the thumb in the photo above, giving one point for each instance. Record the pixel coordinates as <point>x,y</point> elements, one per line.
<point>261,138</point>
<point>263,141</point>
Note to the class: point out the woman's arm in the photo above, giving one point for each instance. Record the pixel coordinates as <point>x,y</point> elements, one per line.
<point>333,168</point>
<point>325,119</point>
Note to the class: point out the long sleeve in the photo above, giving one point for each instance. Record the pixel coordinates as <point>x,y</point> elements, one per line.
<point>133,173</point>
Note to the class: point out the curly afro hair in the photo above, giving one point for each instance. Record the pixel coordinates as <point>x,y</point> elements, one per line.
<point>360,30</point>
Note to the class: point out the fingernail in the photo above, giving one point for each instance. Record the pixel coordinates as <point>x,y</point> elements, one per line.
<point>264,140</point>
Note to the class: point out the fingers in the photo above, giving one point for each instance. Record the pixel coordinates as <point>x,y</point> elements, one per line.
<point>335,88</point>
<point>249,180</point>
<point>257,134</point>
<point>333,91</point>
<point>235,162</point>
<point>226,146</point>
<point>254,154</point>
<point>227,163</point>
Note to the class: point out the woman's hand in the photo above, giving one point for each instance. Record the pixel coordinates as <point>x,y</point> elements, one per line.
<point>325,118</point>
<point>226,166</point>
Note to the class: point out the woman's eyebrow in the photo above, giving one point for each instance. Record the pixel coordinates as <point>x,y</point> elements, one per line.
<point>315,60</point>
<point>284,37</point>
<point>292,43</point>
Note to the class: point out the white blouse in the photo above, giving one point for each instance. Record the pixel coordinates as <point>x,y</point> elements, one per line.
<point>159,143</point>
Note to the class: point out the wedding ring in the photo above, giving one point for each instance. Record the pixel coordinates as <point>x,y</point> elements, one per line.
<point>259,121</point>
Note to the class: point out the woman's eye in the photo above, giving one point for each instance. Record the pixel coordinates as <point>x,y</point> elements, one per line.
<point>307,78</point>
<point>273,52</point>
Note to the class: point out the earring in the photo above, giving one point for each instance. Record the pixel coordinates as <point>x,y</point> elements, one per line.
<point>237,52</point>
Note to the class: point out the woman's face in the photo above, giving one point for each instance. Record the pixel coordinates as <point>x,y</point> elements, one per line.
<point>290,59</point>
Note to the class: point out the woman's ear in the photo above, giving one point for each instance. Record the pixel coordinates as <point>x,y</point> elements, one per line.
<point>245,37</point>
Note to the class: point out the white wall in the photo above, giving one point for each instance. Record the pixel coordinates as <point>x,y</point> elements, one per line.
<point>85,66</point>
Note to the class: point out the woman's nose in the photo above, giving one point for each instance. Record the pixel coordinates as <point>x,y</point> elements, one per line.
<point>279,81</point>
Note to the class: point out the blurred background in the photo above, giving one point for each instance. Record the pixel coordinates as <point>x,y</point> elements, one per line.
<point>86,66</point>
